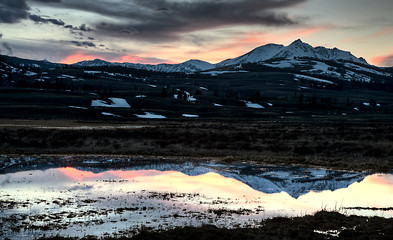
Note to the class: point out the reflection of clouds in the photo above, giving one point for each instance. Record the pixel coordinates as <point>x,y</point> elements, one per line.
<point>5,181</point>
<point>374,191</point>
<point>78,187</point>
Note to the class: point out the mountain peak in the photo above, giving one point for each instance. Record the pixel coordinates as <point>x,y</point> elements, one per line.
<point>298,41</point>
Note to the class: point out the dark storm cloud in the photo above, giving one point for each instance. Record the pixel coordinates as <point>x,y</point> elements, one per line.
<point>83,43</point>
<point>48,1</point>
<point>39,19</point>
<point>166,19</point>
<point>12,11</point>
<point>84,28</point>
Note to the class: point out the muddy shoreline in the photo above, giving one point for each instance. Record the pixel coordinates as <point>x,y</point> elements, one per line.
<point>322,225</point>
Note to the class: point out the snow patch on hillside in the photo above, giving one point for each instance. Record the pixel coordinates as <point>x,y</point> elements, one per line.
<point>113,103</point>
<point>190,116</point>
<point>252,105</point>
<point>312,78</point>
<point>110,114</point>
<point>150,115</point>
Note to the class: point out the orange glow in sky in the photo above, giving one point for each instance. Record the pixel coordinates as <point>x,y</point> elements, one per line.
<point>78,57</point>
<point>381,60</point>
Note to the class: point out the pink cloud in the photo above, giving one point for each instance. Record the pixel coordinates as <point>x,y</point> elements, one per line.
<point>383,32</point>
<point>384,61</point>
<point>79,56</point>
<point>143,60</point>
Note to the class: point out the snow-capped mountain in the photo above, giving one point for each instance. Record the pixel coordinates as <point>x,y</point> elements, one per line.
<point>259,54</point>
<point>295,181</point>
<point>93,63</point>
<point>190,66</point>
<point>297,49</point>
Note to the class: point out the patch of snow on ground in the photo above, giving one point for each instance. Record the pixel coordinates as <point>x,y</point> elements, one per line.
<point>189,97</point>
<point>92,72</point>
<point>215,73</point>
<point>150,116</point>
<point>110,114</point>
<point>366,104</point>
<point>76,107</point>
<point>28,73</point>
<point>281,64</point>
<point>333,233</point>
<point>270,104</point>
<point>153,86</point>
<point>252,105</point>
<point>114,103</point>
<point>66,76</point>
<point>218,105</point>
<point>140,96</point>
<point>352,76</point>
<point>312,78</point>
<point>203,88</point>
<point>356,109</point>
<point>323,68</point>
<point>190,116</point>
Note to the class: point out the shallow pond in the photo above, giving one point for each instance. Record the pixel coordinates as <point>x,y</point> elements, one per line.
<point>94,201</point>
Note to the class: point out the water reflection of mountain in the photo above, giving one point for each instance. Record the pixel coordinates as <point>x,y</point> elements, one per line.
<point>296,181</point>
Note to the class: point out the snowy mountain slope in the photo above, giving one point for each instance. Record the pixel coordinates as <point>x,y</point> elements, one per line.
<point>340,70</point>
<point>93,63</point>
<point>257,55</point>
<point>297,49</point>
<point>190,66</point>
<point>320,61</point>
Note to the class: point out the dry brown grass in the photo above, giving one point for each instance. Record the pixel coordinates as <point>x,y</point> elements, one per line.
<point>355,146</point>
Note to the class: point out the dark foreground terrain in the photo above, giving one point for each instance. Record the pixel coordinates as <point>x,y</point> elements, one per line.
<point>339,145</point>
<point>323,225</point>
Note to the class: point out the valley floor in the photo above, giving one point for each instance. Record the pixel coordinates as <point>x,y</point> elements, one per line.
<point>338,145</point>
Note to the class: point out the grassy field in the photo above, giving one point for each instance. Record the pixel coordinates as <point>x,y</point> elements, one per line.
<point>281,96</point>
<point>339,145</point>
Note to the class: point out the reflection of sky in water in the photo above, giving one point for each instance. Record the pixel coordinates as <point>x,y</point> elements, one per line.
<point>192,196</point>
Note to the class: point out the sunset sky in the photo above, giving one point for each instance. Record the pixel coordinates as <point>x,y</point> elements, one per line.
<point>174,31</point>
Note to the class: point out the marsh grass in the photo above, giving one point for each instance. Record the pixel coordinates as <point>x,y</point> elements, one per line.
<point>360,146</point>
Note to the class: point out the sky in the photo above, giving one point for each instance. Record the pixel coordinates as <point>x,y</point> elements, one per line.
<point>174,31</point>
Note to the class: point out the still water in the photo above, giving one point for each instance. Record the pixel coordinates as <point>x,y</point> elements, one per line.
<point>92,201</point>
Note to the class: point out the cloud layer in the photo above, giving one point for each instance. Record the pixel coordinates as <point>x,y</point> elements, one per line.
<point>159,20</point>
<point>12,11</point>
<point>154,20</point>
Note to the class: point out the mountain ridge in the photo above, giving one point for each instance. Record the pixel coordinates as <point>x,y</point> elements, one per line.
<point>297,49</point>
